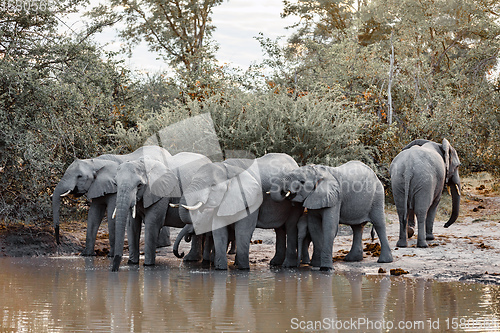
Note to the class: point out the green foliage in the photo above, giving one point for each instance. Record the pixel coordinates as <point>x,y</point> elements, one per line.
<point>445,54</point>
<point>59,99</point>
<point>320,127</point>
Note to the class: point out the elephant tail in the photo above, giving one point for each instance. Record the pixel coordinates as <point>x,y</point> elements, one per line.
<point>407,178</point>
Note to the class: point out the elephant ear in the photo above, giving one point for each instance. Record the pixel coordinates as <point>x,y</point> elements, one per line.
<point>243,195</point>
<point>451,160</point>
<point>325,194</point>
<point>161,182</point>
<point>104,178</point>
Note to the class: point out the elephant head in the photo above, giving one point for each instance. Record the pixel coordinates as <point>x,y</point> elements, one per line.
<point>143,179</point>
<point>219,194</point>
<point>94,177</point>
<point>452,177</point>
<point>312,185</point>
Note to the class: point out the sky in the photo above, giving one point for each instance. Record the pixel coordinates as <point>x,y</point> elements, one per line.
<point>237,23</point>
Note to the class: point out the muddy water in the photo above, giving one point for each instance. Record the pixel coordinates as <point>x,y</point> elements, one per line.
<point>82,295</point>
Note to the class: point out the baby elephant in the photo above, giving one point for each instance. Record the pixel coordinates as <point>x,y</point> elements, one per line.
<point>349,194</point>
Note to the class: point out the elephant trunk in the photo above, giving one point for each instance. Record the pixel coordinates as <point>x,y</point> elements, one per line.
<point>185,232</point>
<point>455,196</point>
<point>184,214</point>
<point>61,190</point>
<point>121,217</point>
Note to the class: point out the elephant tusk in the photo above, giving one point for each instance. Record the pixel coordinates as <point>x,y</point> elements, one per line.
<point>458,189</point>
<point>448,188</point>
<point>114,214</point>
<point>288,194</point>
<point>195,207</point>
<point>174,205</point>
<point>268,192</point>
<point>133,212</point>
<point>65,193</point>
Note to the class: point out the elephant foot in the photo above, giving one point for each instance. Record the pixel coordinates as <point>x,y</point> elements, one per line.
<point>277,261</point>
<point>326,269</point>
<point>410,232</point>
<point>291,263</point>
<point>193,256</point>
<point>116,263</point>
<point>429,237</point>
<point>206,263</point>
<point>402,243</point>
<point>145,264</point>
<point>354,256</point>
<point>132,262</point>
<point>221,268</point>
<point>422,244</point>
<point>88,253</point>
<point>385,258</point>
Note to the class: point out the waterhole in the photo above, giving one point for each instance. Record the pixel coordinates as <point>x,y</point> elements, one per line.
<point>82,295</point>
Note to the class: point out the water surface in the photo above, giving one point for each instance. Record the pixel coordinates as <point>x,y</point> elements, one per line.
<point>81,295</point>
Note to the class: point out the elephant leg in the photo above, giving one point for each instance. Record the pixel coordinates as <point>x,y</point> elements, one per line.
<point>411,223</point>
<point>315,230</point>
<point>153,221</point>
<point>378,221</point>
<point>305,250</point>
<point>429,220</point>
<point>243,231</point>
<point>164,237</point>
<point>133,236</point>
<point>292,235</point>
<point>330,224</point>
<point>356,252</point>
<point>111,226</point>
<point>195,253</point>
<point>96,213</point>
<point>220,237</point>
<point>421,217</point>
<point>208,249</point>
<point>402,209</point>
<point>280,247</point>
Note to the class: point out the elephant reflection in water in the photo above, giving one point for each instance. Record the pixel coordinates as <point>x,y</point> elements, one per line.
<point>231,303</point>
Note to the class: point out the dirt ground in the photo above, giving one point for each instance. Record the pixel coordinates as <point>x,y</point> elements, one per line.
<point>469,250</point>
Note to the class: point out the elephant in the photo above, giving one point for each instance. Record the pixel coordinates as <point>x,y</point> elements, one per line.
<point>146,187</point>
<point>303,241</point>
<point>418,176</point>
<point>350,194</point>
<point>95,178</point>
<point>188,233</point>
<point>233,195</point>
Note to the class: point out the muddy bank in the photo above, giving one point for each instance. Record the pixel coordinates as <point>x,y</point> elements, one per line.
<point>467,251</point>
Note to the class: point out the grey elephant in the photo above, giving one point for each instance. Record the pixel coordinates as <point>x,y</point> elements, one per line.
<point>145,188</point>
<point>418,176</point>
<point>95,178</point>
<point>350,194</point>
<point>303,241</point>
<point>233,195</point>
<point>188,234</point>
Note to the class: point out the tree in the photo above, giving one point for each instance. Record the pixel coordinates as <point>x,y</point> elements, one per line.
<point>177,30</point>
<point>59,99</point>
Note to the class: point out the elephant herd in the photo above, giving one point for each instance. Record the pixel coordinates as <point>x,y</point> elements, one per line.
<point>220,202</point>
